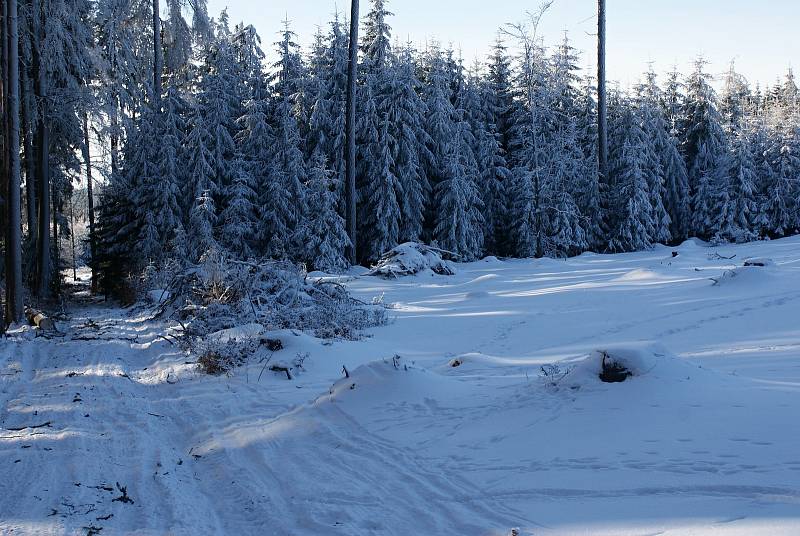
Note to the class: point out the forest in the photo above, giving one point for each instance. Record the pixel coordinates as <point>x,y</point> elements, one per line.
<point>349,284</point>
<point>176,135</point>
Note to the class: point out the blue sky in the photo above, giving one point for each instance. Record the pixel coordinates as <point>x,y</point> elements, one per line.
<point>763,40</point>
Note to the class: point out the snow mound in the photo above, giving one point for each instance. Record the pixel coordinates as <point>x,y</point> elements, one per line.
<point>413,258</point>
<point>392,379</point>
<point>753,272</point>
<point>638,275</point>
<point>759,262</point>
<point>693,243</point>
<point>238,333</point>
<point>641,361</point>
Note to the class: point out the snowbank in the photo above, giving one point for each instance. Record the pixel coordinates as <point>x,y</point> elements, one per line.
<point>389,380</point>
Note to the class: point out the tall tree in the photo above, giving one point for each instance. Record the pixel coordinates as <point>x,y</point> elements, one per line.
<point>157,53</point>
<point>90,202</point>
<point>13,244</point>
<point>602,112</point>
<point>352,73</point>
<point>43,264</point>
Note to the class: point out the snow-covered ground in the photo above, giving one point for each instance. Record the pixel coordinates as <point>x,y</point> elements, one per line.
<point>704,439</point>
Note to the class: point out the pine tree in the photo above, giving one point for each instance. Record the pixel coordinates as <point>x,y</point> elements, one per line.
<point>327,119</point>
<point>782,193</point>
<point>382,222</point>
<point>588,192</point>
<point>658,157</point>
<point>283,202</point>
<point>324,236</point>
<point>738,222</point>
<point>493,172</point>
<point>735,95</point>
<point>376,43</point>
<point>405,112</point>
<point>501,93</point>
<point>633,226</point>
<point>459,222</point>
<point>255,140</point>
<point>239,218</point>
<point>202,221</point>
<point>219,101</point>
<point>200,176</point>
<point>439,123</point>
<point>706,152</point>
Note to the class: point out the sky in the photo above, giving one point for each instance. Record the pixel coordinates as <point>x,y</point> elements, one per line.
<point>763,41</point>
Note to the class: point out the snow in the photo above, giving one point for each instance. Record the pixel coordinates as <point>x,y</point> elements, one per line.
<point>701,439</point>
<point>158,296</point>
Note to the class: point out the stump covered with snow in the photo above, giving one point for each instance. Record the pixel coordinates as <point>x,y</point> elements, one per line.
<point>640,363</point>
<point>760,262</point>
<point>753,271</point>
<point>613,370</point>
<point>413,258</point>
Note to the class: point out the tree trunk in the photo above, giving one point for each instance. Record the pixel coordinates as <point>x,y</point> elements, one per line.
<point>90,200</point>
<point>56,250</point>
<point>350,164</point>
<point>4,170</point>
<point>602,111</point>
<point>30,158</point>
<point>72,235</point>
<point>157,52</point>
<point>43,264</point>
<point>14,297</point>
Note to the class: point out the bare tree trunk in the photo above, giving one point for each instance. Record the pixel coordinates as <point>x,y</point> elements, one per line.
<point>3,144</point>
<point>43,264</point>
<point>157,52</point>
<point>30,158</point>
<point>602,110</point>
<point>14,297</point>
<point>350,164</point>
<point>90,200</point>
<point>56,245</point>
<point>72,236</point>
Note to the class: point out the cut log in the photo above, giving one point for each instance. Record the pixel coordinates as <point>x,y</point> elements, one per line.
<point>40,320</point>
<point>282,368</point>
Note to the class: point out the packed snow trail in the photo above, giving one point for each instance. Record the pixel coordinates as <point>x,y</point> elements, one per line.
<point>111,428</point>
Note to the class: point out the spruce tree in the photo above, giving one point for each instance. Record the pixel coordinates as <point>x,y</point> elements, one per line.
<point>323,232</point>
<point>459,221</point>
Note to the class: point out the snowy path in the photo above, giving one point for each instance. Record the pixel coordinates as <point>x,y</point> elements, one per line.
<point>427,448</point>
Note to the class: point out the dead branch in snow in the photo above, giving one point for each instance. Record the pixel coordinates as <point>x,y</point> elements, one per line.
<point>19,429</point>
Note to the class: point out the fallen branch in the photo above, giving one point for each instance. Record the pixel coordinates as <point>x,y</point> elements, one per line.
<point>282,368</point>
<point>45,424</point>
<point>124,497</point>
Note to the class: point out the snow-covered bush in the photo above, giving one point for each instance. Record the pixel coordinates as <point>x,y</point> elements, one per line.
<point>412,258</point>
<point>216,300</point>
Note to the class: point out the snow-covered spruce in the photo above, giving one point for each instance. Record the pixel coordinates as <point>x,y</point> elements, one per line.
<point>413,258</point>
